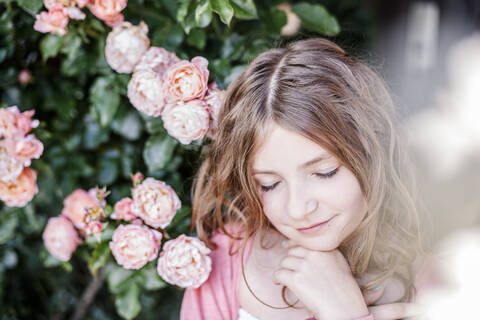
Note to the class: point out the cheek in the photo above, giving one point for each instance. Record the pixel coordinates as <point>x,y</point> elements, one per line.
<point>271,207</point>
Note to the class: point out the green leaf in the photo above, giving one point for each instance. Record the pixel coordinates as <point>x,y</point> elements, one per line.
<point>158,151</point>
<point>182,12</point>
<point>99,257</point>
<point>127,302</point>
<point>274,20</point>
<point>129,125</point>
<point>31,6</point>
<point>8,224</point>
<point>224,10</point>
<point>203,14</point>
<point>50,46</point>
<point>244,9</point>
<point>105,235</point>
<point>316,18</point>
<point>118,278</point>
<point>105,99</point>
<point>71,44</point>
<point>150,279</point>
<point>197,38</point>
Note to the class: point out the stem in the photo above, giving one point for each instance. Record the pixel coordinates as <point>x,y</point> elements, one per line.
<point>88,295</point>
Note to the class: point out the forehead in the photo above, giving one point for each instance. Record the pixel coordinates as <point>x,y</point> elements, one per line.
<point>281,147</point>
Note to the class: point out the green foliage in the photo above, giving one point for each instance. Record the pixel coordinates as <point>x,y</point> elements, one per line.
<point>94,136</point>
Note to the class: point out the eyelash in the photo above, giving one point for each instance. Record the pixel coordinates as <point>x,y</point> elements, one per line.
<point>320,175</point>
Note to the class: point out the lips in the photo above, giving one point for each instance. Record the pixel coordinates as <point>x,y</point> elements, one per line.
<point>315,225</point>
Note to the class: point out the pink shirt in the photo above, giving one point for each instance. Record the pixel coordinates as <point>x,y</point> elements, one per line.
<point>216,299</point>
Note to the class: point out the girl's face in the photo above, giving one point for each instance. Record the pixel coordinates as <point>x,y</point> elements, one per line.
<point>307,195</point>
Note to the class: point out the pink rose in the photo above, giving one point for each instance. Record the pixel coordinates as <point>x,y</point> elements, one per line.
<point>145,92</point>
<point>157,59</point>
<point>137,178</point>
<point>82,3</point>
<point>74,13</point>
<point>214,100</point>
<point>24,121</point>
<point>54,21</point>
<point>8,121</point>
<point>24,77</point>
<point>155,202</point>
<point>76,206</point>
<point>108,10</point>
<point>19,192</point>
<point>25,149</point>
<point>50,3</point>
<point>184,262</point>
<point>187,121</point>
<point>126,45</point>
<point>186,80</point>
<point>60,238</point>
<point>123,210</point>
<point>134,246</point>
<point>10,167</point>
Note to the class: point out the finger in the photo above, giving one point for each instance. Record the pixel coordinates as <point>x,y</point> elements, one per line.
<point>283,276</point>
<point>394,311</point>
<point>291,262</point>
<point>287,243</point>
<point>298,252</point>
<point>372,295</point>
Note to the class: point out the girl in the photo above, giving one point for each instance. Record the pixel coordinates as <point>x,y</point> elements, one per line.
<point>304,195</point>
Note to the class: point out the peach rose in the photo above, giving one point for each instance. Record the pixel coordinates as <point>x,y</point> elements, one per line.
<point>24,121</point>
<point>21,191</point>
<point>76,205</point>
<point>60,238</point>
<point>108,10</point>
<point>187,121</point>
<point>54,21</point>
<point>184,262</point>
<point>123,210</point>
<point>126,45</point>
<point>134,246</point>
<point>155,202</point>
<point>25,149</point>
<point>186,80</point>
<point>214,100</point>
<point>157,59</point>
<point>145,92</point>
<point>10,167</point>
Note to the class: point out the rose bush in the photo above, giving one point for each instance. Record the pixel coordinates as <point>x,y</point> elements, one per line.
<point>95,130</point>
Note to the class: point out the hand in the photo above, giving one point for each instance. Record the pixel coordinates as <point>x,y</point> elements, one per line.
<point>395,311</point>
<point>322,281</point>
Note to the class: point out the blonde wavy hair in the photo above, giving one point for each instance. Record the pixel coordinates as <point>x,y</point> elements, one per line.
<point>312,87</point>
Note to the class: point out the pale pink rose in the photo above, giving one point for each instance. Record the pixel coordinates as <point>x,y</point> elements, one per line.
<point>186,80</point>
<point>145,92</point>
<point>123,210</point>
<point>24,149</point>
<point>157,59</point>
<point>24,121</point>
<point>76,206</point>
<point>21,191</point>
<point>184,262</point>
<point>293,21</point>
<point>155,202</point>
<point>54,21</point>
<point>64,3</point>
<point>214,100</point>
<point>82,3</point>
<point>187,121</point>
<point>10,167</point>
<point>74,13</point>
<point>24,77</point>
<point>134,246</point>
<point>60,238</point>
<point>126,45</point>
<point>108,10</point>
<point>8,121</point>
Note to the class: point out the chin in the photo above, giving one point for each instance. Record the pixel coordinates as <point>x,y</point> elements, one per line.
<point>320,244</point>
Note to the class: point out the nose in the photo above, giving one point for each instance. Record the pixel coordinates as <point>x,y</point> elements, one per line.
<point>300,203</point>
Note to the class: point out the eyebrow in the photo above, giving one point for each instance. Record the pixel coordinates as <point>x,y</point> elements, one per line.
<point>307,164</point>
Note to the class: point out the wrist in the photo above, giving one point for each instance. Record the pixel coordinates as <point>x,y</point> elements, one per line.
<point>367,317</point>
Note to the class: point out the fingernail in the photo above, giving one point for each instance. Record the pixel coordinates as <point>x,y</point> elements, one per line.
<point>284,243</point>
<point>376,288</point>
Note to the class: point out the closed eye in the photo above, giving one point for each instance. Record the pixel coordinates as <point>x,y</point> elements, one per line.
<point>320,175</point>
